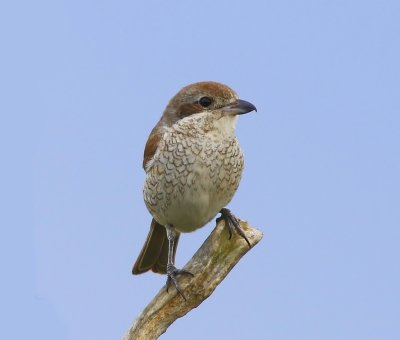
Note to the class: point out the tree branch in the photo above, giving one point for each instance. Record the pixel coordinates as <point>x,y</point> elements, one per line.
<point>210,265</point>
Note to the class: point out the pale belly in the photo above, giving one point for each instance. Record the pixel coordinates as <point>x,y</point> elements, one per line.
<point>187,189</point>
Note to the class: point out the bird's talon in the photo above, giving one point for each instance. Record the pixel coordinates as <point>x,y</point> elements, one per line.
<point>172,273</point>
<point>232,222</point>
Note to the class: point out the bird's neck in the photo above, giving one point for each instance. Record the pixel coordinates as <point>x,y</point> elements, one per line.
<point>207,122</point>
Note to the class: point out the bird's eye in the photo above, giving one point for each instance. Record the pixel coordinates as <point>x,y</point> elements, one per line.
<point>205,101</point>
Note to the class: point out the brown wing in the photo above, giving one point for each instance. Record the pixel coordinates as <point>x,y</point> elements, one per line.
<point>151,145</point>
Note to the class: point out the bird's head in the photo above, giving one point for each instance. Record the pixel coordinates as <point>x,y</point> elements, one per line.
<point>216,98</point>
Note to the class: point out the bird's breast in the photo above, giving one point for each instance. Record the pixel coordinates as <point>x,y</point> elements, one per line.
<point>192,177</point>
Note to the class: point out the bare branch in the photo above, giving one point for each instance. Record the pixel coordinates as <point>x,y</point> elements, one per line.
<point>210,265</point>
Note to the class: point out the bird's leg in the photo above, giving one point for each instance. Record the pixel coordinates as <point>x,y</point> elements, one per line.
<point>172,271</point>
<point>232,223</point>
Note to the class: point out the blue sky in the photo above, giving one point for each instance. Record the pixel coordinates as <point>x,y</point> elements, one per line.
<point>83,84</point>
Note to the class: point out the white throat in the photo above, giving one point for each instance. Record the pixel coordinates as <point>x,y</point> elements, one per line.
<point>226,125</point>
<point>208,122</point>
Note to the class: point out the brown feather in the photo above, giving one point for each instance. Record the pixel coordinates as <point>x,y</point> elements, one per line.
<point>188,109</point>
<point>151,145</point>
<point>154,254</point>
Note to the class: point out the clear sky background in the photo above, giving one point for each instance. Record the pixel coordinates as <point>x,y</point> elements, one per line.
<point>83,83</point>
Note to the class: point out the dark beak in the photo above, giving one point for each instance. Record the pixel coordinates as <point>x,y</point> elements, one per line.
<point>239,107</point>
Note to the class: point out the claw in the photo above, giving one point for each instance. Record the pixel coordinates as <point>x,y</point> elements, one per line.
<point>172,273</point>
<point>232,223</point>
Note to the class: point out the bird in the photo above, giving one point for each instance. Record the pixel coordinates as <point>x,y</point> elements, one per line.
<point>193,164</point>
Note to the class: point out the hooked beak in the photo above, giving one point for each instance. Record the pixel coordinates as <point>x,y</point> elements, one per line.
<point>239,107</point>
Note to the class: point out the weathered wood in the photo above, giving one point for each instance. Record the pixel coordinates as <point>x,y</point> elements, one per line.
<point>210,265</point>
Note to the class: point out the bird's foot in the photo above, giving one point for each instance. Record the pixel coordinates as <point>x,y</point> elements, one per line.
<point>173,273</point>
<point>232,222</point>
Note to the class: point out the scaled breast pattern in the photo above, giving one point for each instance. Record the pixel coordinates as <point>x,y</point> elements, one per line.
<point>193,175</point>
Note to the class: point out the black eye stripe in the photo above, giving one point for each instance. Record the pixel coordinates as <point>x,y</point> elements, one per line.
<point>205,101</point>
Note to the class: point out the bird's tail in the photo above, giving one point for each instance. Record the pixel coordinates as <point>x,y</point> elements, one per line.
<point>154,254</point>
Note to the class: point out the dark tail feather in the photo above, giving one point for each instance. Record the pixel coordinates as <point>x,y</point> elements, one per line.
<point>154,254</point>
